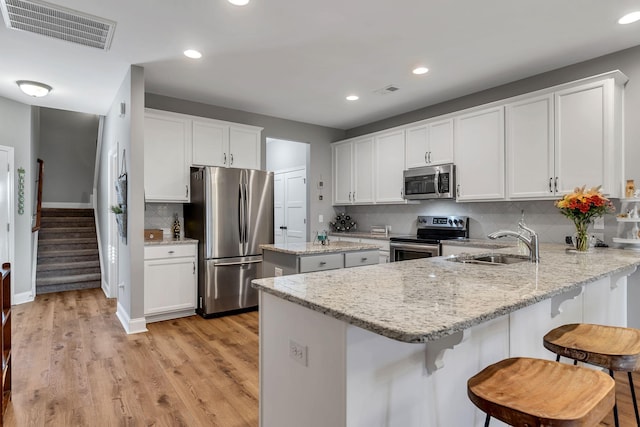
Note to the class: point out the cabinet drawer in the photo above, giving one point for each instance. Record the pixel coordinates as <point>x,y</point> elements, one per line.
<point>321,262</point>
<point>354,259</point>
<point>169,251</point>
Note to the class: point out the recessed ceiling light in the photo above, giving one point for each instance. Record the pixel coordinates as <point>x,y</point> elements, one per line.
<point>239,2</point>
<point>193,54</point>
<point>420,70</point>
<point>629,18</point>
<point>35,89</point>
<point>353,98</point>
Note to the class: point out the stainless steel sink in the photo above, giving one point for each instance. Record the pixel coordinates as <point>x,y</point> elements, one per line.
<point>490,259</point>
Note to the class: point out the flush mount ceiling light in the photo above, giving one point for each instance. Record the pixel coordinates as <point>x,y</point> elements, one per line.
<point>35,89</point>
<point>239,2</point>
<point>629,18</point>
<point>193,54</point>
<point>420,70</point>
<point>352,98</point>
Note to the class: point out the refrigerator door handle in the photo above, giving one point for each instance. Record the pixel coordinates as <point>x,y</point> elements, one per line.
<point>240,215</point>
<point>223,264</point>
<point>245,248</point>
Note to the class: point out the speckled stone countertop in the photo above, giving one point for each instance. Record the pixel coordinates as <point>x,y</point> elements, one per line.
<point>361,235</point>
<point>480,243</point>
<point>426,299</point>
<point>170,241</point>
<point>309,248</point>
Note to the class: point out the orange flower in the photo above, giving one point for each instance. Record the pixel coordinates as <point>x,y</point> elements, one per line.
<point>582,206</point>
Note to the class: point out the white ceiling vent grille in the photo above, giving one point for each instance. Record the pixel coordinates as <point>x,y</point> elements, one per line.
<point>386,90</point>
<point>54,21</point>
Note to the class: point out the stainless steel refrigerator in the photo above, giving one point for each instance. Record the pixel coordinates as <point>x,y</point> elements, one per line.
<point>231,215</point>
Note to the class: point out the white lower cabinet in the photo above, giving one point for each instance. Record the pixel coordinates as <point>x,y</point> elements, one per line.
<point>383,253</point>
<point>170,281</point>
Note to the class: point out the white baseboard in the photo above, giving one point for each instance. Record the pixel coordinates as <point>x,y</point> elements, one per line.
<point>65,205</point>
<point>131,326</point>
<point>168,316</point>
<point>23,297</point>
<point>105,288</point>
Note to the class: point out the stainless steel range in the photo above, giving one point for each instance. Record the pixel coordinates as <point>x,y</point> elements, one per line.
<point>431,231</point>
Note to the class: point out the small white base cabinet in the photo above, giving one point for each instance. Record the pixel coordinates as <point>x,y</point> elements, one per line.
<point>351,377</point>
<point>383,253</point>
<point>170,281</point>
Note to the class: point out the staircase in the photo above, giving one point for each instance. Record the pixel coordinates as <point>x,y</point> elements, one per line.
<point>67,251</point>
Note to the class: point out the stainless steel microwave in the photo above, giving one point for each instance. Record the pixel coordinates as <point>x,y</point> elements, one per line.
<point>430,182</point>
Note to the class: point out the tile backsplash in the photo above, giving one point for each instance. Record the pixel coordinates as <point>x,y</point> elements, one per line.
<point>160,215</point>
<point>484,217</point>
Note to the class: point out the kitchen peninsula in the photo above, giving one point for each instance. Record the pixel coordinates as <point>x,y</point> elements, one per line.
<point>394,344</point>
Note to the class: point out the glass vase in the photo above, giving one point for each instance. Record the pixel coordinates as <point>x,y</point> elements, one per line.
<point>582,236</point>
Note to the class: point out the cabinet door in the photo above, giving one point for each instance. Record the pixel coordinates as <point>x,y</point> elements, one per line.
<point>417,146</point>
<point>581,135</point>
<point>389,181</point>
<point>169,285</point>
<point>479,154</point>
<point>440,142</point>
<point>342,172</point>
<point>363,175</point>
<point>166,153</point>
<point>210,143</point>
<point>530,148</point>
<point>244,148</point>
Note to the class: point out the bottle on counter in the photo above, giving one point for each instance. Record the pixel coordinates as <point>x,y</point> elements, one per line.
<point>175,228</point>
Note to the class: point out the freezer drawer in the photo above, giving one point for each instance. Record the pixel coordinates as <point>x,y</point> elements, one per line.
<point>227,286</point>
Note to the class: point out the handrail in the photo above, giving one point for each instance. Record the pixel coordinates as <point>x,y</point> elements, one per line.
<point>36,227</point>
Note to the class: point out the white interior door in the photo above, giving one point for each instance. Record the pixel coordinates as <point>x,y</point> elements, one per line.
<point>112,257</point>
<point>278,208</point>
<point>290,206</point>
<point>6,204</point>
<point>296,205</point>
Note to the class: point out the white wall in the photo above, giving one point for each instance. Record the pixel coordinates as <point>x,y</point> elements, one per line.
<point>127,133</point>
<point>16,130</point>
<point>285,154</point>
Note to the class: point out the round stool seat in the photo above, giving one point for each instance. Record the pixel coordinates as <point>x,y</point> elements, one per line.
<point>611,347</point>
<point>534,392</point>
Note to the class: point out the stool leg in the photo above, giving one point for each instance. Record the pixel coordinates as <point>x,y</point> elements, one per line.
<point>557,358</point>
<point>486,420</point>
<point>633,397</point>
<point>615,406</point>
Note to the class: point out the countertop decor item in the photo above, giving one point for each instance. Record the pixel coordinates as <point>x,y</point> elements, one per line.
<point>582,206</point>
<point>175,228</point>
<point>343,222</point>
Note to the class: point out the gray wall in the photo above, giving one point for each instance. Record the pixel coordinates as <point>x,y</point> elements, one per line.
<point>318,137</point>
<point>127,132</point>
<point>68,148</point>
<point>16,130</point>
<point>542,215</point>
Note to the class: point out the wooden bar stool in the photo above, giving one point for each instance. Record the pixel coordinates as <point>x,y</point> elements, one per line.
<point>612,347</point>
<point>536,392</point>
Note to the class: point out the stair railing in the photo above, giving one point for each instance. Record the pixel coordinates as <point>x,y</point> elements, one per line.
<point>36,225</point>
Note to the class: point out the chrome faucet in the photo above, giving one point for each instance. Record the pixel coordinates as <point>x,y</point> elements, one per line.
<point>530,241</point>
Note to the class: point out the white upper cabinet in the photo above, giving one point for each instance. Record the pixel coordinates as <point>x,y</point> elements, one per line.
<point>167,146</point>
<point>429,144</point>
<point>530,148</point>
<point>389,166</point>
<point>353,174</point>
<point>584,134</point>
<point>479,154</point>
<point>218,143</point>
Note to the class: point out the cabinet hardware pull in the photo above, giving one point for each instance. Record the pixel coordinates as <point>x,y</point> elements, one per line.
<point>555,184</point>
<point>425,157</point>
<point>458,190</point>
<point>349,195</point>
<point>171,252</point>
<point>363,259</point>
<point>186,191</point>
<point>231,155</point>
<point>323,262</point>
<point>429,156</point>
<point>194,267</point>
<point>354,196</point>
<point>550,180</point>
<point>224,161</point>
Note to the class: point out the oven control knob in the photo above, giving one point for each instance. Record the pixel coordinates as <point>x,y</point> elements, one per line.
<point>455,221</point>
<point>450,222</point>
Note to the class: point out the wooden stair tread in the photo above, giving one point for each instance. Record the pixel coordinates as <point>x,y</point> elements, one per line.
<point>68,265</point>
<point>68,279</point>
<point>525,390</point>
<point>612,347</point>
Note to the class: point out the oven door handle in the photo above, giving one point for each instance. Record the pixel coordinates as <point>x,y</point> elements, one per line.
<point>421,248</point>
<point>436,183</point>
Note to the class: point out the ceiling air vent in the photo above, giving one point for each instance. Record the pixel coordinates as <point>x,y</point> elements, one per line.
<point>387,89</point>
<point>54,21</point>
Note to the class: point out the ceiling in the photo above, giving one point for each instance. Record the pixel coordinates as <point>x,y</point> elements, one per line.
<point>298,59</point>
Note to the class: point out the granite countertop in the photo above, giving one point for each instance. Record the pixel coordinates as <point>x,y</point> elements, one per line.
<point>426,299</point>
<point>361,235</point>
<point>309,248</point>
<point>481,243</point>
<point>170,241</point>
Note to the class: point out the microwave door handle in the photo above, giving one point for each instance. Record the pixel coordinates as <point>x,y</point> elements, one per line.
<point>436,183</point>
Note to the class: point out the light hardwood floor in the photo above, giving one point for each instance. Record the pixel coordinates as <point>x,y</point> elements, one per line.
<point>73,365</point>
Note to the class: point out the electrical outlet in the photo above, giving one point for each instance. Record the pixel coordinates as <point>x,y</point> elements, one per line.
<point>598,223</point>
<point>599,236</point>
<point>320,219</point>
<point>298,352</point>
